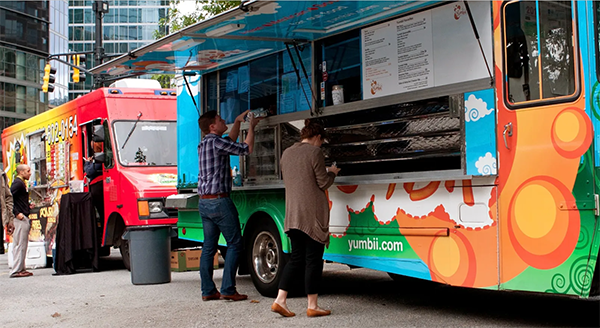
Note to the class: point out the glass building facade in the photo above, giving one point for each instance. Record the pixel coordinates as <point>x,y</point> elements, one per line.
<point>59,44</point>
<point>24,46</point>
<point>127,26</point>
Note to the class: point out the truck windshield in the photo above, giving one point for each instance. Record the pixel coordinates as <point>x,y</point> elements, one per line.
<point>152,143</point>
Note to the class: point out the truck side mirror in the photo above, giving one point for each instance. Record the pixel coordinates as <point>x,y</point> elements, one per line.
<point>98,134</point>
<point>99,157</point>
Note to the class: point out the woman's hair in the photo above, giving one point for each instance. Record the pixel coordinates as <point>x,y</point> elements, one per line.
<point>312,128</point>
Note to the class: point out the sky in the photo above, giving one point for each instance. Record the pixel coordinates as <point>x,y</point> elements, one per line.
<point>187,6</point>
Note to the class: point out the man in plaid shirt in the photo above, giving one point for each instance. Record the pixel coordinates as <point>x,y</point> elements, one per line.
<point>218,212</point>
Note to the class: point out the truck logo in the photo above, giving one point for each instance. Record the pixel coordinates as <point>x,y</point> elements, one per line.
<point>164,178</point>
<point>375,87</point>
<point>459,11</point>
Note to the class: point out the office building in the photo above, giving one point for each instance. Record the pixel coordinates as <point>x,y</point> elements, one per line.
<point>127,26</point>
<point>24,46</point>
<point>59,44</point>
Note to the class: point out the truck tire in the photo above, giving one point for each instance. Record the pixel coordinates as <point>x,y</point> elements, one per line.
<point>124,248</point>
<point>266,259</point>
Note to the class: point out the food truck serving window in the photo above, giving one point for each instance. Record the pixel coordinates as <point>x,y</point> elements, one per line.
<point>270,83</point>
<point>37,159</point>
<point>146,143</point>
<point>539,57</point>
<point>339,64</point>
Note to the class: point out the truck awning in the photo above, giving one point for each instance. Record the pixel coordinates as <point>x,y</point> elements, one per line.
<point>254,29</point>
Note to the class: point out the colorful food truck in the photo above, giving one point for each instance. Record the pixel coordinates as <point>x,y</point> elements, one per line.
<point>138,130</point>
<point>465,133</point>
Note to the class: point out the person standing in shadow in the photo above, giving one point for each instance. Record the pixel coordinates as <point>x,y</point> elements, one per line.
<point>306,217</point>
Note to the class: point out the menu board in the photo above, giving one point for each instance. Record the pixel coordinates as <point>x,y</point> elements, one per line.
<point>431,48</point>
<point>414,51</point>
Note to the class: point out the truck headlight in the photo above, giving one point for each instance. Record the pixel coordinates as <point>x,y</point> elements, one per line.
<point>155,207</point>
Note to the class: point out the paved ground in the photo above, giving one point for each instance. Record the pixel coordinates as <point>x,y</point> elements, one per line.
<point>358,298</point>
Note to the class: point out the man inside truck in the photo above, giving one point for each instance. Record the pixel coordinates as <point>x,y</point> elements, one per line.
<point>93,172</point>
<point>219,214</point>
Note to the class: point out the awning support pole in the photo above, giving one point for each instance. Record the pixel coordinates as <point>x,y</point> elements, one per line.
<point>287,46</point>
<point>474,27</point>
<point>190,90</point>
<point>306,76</point>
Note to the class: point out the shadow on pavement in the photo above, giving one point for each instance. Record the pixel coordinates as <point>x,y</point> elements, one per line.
<point>519,308</point>
<point>112,262</point>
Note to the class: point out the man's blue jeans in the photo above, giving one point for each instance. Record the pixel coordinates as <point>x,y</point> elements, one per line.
<point>219,216</point>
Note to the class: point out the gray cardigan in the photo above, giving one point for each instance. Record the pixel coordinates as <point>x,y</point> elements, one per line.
<point>306,179</point>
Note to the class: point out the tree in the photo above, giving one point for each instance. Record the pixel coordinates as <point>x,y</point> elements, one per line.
<point>165,80</point>
<point>175,20</point>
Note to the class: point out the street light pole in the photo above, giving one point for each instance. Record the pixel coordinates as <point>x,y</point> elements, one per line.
<point>100,8</point>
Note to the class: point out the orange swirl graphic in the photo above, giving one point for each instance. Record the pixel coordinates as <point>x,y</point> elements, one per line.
<point>545,235</point>
<point>422,193</point>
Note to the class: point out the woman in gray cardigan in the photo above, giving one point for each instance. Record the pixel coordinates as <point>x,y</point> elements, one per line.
<point>306,216</point>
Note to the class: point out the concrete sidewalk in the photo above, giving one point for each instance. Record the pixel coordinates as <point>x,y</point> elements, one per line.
<point>109,299</point>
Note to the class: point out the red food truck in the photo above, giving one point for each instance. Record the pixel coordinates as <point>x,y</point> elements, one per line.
<point>139,161</point>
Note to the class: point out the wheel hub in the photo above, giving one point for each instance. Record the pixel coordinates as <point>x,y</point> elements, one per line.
<point>265,257</point>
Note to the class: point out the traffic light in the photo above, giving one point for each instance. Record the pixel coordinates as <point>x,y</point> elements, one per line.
<point>78,60</point>
<point>49,78</point>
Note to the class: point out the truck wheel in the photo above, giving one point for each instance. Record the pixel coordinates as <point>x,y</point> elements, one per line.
<point>266,258</point>
<point>124,248</point>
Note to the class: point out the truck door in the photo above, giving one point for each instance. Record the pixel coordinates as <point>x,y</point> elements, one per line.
<point>591,225</point>
<point>544,135</point>
<point>87,134</point>
<point>86,137</point>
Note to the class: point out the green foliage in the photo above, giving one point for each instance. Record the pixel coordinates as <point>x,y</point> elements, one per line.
<point>176,21</point>
<point>215,7</point>
<point>165,80</point>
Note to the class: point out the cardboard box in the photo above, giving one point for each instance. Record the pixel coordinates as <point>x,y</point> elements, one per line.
<point>189,259</point>
<point>192,258</point>
<point>178,260</point>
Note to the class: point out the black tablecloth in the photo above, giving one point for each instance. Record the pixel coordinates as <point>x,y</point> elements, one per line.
<point>76,240</point>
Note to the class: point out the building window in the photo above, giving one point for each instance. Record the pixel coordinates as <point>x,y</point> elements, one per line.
<point>109,17</point>
<point>109,48</point>
<point>89,16</point>
<point>78,16</point>
<point>122,15</point>
<point>109,33</point>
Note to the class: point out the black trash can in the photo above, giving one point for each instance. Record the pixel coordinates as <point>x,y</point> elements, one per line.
<point>150,254</point>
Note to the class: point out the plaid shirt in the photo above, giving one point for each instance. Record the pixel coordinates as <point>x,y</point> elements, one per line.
<point>213,157</point>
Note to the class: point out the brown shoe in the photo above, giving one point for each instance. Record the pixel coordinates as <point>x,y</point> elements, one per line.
<point>281,310</point>
<point>19,275</point>
<point>27,273</point>
<point>213,297</point>
<point>235,297</point>
<point>317,312</point>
